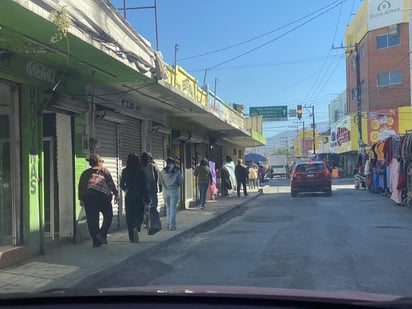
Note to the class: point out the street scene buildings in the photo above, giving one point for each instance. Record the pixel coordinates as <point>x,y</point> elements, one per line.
<point>74,84</point>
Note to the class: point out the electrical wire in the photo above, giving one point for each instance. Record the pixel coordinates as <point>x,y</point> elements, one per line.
<point>317,83</point>
<point>246,66</point>
<point>276,38</point>
<point>256,37</point>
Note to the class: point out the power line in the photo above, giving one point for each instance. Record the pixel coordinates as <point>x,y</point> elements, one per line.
<point>256,37</point>
<point>274,39</point>
<point>246,66</point>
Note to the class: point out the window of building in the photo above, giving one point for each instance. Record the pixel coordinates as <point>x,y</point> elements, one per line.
<point>389,78</point>
<point>387,40</point>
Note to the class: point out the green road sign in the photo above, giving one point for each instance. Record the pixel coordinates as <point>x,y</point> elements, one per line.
<point>270,113</point>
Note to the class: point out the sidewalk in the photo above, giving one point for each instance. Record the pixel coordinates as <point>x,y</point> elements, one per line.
<point>67,266</point>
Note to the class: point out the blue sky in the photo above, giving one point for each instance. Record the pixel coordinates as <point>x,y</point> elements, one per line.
<point>272,52</point>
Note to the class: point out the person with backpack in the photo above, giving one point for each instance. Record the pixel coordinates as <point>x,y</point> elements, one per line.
<point>95,191</point>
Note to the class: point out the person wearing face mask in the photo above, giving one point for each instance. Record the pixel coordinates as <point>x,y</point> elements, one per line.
<point>170,179</point>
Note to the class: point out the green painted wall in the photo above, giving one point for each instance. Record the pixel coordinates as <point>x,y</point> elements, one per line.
<point>31,155</point>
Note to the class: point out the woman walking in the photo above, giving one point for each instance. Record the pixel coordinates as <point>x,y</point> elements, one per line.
<point>170,179</point>
<point>133,182</point>
<point>204,179</point>
<point>96,187</point>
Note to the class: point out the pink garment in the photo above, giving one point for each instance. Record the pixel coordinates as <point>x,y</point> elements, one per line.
<point>396,194</point>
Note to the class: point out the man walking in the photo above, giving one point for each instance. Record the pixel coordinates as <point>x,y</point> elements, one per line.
<point>241,177</point>
<point>204,179</point>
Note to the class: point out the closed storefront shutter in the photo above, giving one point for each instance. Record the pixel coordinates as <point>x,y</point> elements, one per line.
<point>107,148</point>
<point>131,138</point>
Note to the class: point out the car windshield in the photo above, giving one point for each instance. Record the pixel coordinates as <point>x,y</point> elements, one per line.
<point>205,145</point>
<point>310,167</point>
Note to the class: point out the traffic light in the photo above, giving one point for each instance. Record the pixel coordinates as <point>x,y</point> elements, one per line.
<point>299,112</point>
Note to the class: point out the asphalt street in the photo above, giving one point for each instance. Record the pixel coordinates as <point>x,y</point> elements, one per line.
<point>353,240</point>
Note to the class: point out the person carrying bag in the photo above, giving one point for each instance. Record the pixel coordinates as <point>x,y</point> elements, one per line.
<point>96,189</point>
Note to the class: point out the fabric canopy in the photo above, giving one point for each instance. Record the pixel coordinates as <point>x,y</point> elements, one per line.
<point>254,157</point>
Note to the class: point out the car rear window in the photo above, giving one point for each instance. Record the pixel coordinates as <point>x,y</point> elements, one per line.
<point>310,167</point>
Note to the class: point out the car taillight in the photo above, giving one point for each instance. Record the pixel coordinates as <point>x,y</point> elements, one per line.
<point>326,172</point>
<point>296,173</point>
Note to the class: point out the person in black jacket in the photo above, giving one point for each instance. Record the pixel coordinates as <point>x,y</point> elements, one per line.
<point>241,177</point>
<point>133,182</point>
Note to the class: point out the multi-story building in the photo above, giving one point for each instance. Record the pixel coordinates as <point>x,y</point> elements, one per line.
<point>378,70</point>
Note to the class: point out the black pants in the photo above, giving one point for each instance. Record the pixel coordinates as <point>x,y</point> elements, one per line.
<point>243,183</point>
<point>96,202</point>
<point>134,214</point>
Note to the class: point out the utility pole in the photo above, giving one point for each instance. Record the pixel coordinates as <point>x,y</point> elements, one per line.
<point>358,98</point>
<point>214,98</point>
<point>175,63</point>
<point>358,94</point>
<point>313,130</point>
<point>303,139</point>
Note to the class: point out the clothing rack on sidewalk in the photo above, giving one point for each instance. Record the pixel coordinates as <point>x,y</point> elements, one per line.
<point>388,168</point>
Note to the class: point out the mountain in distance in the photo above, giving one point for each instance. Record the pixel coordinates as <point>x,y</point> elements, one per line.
<point>275,142</point>
<point>279,140</point>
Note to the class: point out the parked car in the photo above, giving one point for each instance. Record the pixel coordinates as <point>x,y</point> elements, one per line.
<point>311,176</point>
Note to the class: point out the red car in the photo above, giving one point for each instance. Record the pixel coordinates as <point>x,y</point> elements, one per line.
<point>312,176</point>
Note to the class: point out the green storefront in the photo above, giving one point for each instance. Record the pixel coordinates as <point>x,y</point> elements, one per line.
<point>46,95</point>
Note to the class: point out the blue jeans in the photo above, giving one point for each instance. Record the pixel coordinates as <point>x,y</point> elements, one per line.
<point>171,196</point>
<point>202,193</point>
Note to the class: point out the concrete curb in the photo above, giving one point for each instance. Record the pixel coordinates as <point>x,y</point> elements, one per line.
<point>90,278</point>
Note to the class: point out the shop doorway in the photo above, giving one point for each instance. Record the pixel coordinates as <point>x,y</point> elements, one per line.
<point>9,167</point>
<point>51,198</point>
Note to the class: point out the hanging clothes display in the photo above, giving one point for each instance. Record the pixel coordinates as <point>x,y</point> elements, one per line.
<point>406,168</point>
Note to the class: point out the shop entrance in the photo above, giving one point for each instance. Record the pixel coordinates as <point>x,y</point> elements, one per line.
<point>9,169</point>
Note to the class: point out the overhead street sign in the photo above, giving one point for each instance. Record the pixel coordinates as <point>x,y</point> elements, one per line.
<point>270,113</point>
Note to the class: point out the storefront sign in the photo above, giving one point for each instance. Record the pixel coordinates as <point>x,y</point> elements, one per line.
<point>33,149</point>
<point>342,135</point>
<point>382,123</point>
<point>41,72</point>
<point>382,13</point>
<point>131,105</point>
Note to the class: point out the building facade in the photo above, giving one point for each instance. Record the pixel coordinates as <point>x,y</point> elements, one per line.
<point>67,93</point>
<point>378,68</point>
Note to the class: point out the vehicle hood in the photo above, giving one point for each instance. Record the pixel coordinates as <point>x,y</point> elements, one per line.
<point>240,291</point>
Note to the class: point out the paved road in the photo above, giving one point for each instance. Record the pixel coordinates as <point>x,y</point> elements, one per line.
<point>353,240</point>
